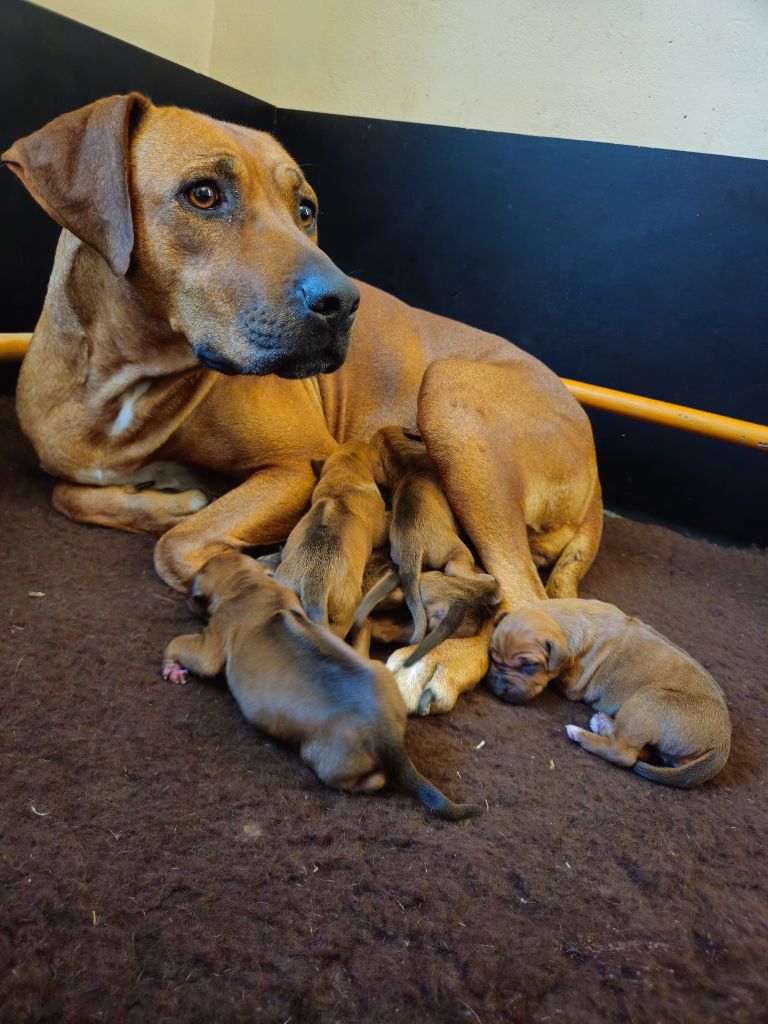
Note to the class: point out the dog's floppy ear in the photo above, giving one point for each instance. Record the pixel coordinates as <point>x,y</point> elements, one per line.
<point>557,655</point>
<point>76,167</point>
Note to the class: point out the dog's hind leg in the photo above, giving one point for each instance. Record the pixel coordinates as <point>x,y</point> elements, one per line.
<point>126,507</point>
<point>579,554</point>
<point>608,745</point>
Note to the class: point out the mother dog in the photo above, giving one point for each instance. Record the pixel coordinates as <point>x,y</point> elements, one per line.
<point>192,328</point>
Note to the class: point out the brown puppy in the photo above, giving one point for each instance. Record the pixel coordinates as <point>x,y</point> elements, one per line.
<point>423,532</point>
<point>326,553</point>
<point>647,691</point>
<point>298,682</point>
<point>189,295</point>
<point>454,606</point>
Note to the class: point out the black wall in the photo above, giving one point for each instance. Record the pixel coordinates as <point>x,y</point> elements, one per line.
<point>639,269</point>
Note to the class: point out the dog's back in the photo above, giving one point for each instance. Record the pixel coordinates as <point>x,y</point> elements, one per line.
<point>325,555</point>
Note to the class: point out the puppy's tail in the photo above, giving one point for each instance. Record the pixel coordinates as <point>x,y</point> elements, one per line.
<point>377,593</point>
<point>685,775</point>
<point>401,769</point>
<point>450,622</point>
<point>410,573</point>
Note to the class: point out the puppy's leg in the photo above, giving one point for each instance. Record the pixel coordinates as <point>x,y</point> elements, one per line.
<point>261,511</point>
<point>579,554</point>
<point>200,653</point>
<point>123,507</point>
<point>612,747</point>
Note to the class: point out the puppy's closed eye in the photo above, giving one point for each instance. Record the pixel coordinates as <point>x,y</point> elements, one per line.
<point>530,668</point>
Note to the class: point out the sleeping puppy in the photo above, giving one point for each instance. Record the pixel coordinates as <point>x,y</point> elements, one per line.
<point>454,606</point>
<point>324,558</point>
<point>298,682</point>
<point>648,693</point>
<point>423,532</point>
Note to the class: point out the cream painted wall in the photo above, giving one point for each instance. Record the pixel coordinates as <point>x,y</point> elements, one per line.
<point>676,74</point>
<point>179,30</point>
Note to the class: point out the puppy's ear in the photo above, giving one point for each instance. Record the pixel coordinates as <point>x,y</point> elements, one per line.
<point>557,655</point>
<point>76,167</point>
<point>196,601</point>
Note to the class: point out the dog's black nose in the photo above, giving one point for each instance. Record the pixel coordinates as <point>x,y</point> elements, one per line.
<point>330,298</point>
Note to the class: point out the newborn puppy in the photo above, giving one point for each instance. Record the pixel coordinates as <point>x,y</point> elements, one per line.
<point>324,558</point>
<point>454,606</point>
<point>423,532</point>
<point>298,682</point>
<point>647,692</point>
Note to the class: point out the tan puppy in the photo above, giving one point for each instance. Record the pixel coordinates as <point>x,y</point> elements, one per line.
<point>299,683</point>
<point>423,532</point>
<point>454,606</point>
<point>326,553</point>
<point>189,296</point>
<point>648,692</point>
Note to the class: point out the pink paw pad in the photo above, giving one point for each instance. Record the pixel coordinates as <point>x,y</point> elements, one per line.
<point>175,672</point>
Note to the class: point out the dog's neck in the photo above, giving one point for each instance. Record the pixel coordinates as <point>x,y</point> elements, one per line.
<point>100,352</point>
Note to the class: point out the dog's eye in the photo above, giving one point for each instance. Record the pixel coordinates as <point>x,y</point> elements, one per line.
<point>530,668</point>
<point>307,213</point>
<point>204,195</point>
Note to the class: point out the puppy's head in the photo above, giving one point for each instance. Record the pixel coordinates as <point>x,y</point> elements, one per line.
<point>213,579</point>
<point>214,223</point>
<point>528,648</point>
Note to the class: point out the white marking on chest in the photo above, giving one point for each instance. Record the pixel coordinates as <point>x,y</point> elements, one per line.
<point>124,418</point>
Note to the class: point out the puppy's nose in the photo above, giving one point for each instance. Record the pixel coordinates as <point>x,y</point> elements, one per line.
<point>330,299</point>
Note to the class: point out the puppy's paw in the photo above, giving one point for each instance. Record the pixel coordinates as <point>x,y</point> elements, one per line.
<point>175,673</point>
<point>602,724</point>
<point>575,733</point>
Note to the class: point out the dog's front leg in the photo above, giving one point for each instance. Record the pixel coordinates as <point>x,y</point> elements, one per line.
<point>261,511</point>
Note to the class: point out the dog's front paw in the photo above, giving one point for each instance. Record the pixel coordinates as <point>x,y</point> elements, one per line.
<point>433,685</point>
<point>175,673</point>
<point>410,681</point>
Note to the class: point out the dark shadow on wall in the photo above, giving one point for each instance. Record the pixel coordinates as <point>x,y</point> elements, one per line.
<point>638,269</point>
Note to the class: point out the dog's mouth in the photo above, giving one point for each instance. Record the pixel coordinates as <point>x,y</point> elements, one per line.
<point>292,362</point>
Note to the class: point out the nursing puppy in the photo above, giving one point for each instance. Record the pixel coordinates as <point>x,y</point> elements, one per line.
<point>326,553</point>
<point>454,606</point>
<point>423,531</point>
<point>298,682</point>
<point>647,692</point>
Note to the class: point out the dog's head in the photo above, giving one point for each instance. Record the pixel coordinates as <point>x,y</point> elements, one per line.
<point>214,224</point>
<point>217,577</point>
<point>528,648</point>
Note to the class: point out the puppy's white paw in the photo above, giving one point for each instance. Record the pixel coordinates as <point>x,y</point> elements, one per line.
<point>575,733</point>
<point>602,724</point>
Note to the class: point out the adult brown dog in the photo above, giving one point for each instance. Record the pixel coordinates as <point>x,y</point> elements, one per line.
<point>647,691</point>
<point>192,323</point>
<point>298,682</point>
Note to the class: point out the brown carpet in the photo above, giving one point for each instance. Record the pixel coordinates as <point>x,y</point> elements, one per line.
<point>161,861</point>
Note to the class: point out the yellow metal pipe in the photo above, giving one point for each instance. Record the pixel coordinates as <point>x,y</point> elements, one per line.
<point>13,346</point>
<point>753,435</point>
